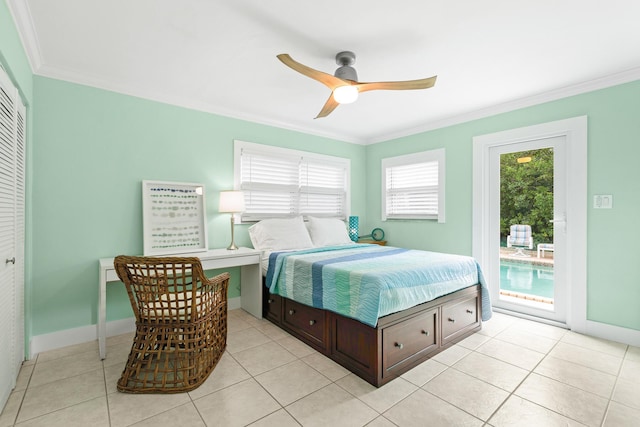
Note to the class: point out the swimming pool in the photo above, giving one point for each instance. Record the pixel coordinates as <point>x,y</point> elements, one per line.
<point>526,278</point>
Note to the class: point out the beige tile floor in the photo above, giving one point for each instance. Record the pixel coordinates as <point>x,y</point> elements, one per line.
<point>513,373</point>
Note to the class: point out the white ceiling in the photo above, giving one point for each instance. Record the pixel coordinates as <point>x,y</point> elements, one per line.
<point>220,55</point>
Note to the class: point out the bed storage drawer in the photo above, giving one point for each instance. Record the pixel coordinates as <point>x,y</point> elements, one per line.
<point>459,316</point>
<point>410,340</point>
<point>372,353</point>
<point>307,321</point>
<point>272,307</point>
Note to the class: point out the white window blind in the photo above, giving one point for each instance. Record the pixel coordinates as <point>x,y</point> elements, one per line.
<point>413,186</point>
<point>279,182</point>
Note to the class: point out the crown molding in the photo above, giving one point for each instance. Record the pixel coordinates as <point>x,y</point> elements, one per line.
<point>565,92</point>
<point>26,31</point>
<point>577,89</point>
<point>99,83</point>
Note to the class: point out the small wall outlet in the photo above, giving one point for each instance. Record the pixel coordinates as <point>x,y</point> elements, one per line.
<point>603,201</point>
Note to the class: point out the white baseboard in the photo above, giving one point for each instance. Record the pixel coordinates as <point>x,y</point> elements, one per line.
<point>83,334</point>
<point>613,333</point>
<point>233,303</point>
<point>54,340</point>
<point>59,339</point>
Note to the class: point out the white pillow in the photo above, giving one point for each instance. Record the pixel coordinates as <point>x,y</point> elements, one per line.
<point>328,231</point>
<point>280,234</point>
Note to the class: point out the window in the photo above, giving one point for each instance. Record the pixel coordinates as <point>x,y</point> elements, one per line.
<point>280,182</point>
<point>413,186</point>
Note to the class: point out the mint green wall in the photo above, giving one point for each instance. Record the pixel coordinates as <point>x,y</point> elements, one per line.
<point>92,150</point>
<point>613,150</point>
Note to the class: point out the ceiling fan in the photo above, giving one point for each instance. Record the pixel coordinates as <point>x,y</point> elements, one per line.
<point>344,83</point>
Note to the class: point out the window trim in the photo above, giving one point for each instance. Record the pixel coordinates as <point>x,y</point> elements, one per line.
<point>274,151</point>
<point>437,155</point>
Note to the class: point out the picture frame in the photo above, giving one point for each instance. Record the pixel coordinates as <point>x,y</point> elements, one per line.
<point>174,217</point>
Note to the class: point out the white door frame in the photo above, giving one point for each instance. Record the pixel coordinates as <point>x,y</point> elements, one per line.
<point>575,132</point>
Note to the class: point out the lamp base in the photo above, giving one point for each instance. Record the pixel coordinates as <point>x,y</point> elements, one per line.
<point>232,246</point>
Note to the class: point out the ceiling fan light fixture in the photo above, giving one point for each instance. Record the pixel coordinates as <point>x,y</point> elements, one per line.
<point>344,85</point>
<point>345,94</point>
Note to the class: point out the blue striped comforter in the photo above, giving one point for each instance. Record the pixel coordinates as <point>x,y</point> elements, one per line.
<point>366,282</point>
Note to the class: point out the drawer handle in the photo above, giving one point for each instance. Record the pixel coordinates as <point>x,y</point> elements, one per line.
<point>452,320</point>
<point>470,311</point>
<point>270,301</point>
<point>400,346</point>
<point>292,312</point>
<point>426,333</point>
<point>312,322</point>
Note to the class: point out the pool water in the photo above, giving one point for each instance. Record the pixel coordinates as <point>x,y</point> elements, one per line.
<point>526,278</point>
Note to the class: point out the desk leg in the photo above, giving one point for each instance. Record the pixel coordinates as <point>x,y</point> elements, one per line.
<point>251,289</point>
<point>102,315</point>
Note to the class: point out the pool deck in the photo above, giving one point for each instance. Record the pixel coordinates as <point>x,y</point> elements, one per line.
<point>508,254</point>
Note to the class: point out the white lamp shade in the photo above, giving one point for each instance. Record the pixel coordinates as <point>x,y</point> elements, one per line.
<point>231,201</point>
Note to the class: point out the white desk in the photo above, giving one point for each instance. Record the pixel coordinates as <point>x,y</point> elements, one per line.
<point>250,282</point>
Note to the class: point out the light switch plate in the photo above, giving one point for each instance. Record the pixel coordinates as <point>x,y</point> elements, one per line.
<point>603,201</point>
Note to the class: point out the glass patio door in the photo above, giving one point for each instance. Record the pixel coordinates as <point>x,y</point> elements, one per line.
<point>528,227</point>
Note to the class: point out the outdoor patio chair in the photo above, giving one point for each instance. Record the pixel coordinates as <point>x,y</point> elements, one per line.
<point>181,323</point>
<point>520,237</point>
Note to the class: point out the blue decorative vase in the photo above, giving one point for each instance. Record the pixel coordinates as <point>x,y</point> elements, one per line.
<point>353,228</point>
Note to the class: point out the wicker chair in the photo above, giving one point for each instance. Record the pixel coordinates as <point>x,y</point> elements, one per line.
<point>181,323</point>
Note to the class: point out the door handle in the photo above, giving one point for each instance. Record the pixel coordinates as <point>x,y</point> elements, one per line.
<point>12,260</point>
<point>562,220</point>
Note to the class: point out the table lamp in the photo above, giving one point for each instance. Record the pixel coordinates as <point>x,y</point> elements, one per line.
<point>231,202</point>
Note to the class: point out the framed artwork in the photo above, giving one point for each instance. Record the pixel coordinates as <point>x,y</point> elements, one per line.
<point>174,218</point>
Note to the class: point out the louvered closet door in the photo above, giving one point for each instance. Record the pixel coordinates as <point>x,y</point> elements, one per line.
<point>18,269</point>
<point>12,144</point>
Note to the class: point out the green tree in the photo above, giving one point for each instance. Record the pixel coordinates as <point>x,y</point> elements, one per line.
<point>526,193</point>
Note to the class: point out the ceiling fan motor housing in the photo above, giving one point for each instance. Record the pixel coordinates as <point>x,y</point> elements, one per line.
<point>346,71</point>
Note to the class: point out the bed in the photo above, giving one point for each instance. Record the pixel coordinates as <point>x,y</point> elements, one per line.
<point>376,310</point>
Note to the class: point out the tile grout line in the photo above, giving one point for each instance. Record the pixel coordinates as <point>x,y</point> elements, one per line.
<point>520,384</point>
<point>331,382</point>
<point>474,350</point>
<point>106,393</point>
<point>442,373</point>
<point>559,341</point>
<point>298,358</point>
<point>449,403</point>
<point>613,389</point>
<point>26,388</point>
<point>262,387</point>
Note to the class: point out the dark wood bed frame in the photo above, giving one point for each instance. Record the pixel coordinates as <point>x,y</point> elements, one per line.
<point>400,342</point>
